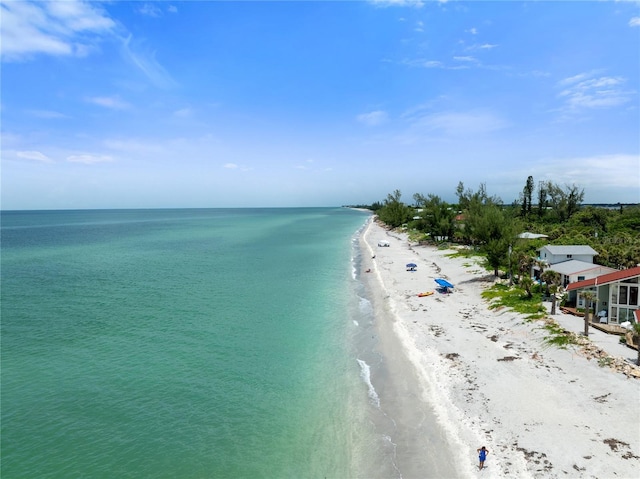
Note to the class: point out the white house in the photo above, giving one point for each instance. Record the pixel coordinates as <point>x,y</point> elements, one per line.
<point>573,262</point>
<point>553,254</point>
<point>573,270</point>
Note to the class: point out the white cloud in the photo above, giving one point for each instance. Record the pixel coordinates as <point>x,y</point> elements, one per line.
<point>78,16</point>
<point>584,92</point>
<point>172,9</point>
<point>456,123</point>
<point>373,118</point>
<point>433,64</point>
<point>183,113</point>
<point>398,3</point>
<point>150,10</point>
<point>473,31</point>
<point>462,62</point>
<point>424,63</point>
<point>136,147</point>
<point>599,171</point>
<point>34,155</point>
<point>52,28</point>
<point>634,22</point>
<point>235,166</point>
<point>89,159</point>
<point>308,164</point>
<point>575,79</point>
<point>146,62</point>
<point>113,103</point>
<point>47,114</point>
<point>465,59</point>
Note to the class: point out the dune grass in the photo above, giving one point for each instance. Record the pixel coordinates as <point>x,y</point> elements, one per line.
<point>558,336</point>
<point>503,296</point>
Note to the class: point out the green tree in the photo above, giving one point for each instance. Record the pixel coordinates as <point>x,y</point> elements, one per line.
<point>526,283</point>
<point>394,212</point>
<point>524,264</point>
<point>542,199</point>
<point>475,207</point>
<point>497,251</point>
<point>591,219</point>
<point>627,219</point>
<point>574,199</point>
<point>527,194</point>
<point>564,202</point>
<point>438,215</point>
<point>494,232</point>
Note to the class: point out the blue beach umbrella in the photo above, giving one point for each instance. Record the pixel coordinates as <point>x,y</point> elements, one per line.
<point>444,283</point>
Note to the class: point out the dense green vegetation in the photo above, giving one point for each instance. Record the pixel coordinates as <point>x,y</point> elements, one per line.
<point>490,227</point>
<point>502,296</point>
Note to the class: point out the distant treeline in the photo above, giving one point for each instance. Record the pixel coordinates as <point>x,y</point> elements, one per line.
<point>492,227</point>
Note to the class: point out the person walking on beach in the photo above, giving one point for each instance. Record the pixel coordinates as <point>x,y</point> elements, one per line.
<point>482,455</point>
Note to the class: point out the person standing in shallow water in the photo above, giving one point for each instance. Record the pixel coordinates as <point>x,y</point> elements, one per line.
<point>482,456</point>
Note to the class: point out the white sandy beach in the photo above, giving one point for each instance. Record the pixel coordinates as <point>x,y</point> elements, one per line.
<point>541,411</point>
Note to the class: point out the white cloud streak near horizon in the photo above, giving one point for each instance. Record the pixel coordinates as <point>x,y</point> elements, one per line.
<point>34,155</point>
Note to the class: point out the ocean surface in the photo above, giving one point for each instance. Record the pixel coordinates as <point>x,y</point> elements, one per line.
<point>204,343</point>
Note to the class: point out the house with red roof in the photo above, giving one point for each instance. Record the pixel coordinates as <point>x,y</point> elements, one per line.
<point>617,294</point>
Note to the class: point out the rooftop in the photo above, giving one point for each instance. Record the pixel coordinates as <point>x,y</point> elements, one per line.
<point>570,249</point>
<point>605,279</point>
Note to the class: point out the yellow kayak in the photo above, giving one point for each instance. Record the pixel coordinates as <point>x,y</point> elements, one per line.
<point>428,293</point>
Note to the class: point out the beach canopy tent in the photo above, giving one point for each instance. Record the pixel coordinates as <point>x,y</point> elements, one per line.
<point>411,266</point>
<point>383,243</point>
<point>443,283</point>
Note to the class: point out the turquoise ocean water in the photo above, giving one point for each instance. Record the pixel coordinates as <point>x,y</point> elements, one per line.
<point>183,344</point>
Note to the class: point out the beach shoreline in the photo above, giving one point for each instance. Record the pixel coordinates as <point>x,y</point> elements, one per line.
<point>488,377</point>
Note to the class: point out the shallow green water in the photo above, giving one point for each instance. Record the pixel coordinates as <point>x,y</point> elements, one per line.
<point>181,343</point>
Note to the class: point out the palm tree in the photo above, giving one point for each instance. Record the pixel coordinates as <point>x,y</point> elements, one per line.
<point>526,283</point>
<point>588,297</point>
<point>541,264</point>
<point>524,262</point>
<point>552,278</point>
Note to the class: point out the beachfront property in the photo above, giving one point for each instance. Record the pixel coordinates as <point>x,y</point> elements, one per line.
<point>553,254</point>
<point>573,270</point>
<point>573,262</point>
<point>617,299</point>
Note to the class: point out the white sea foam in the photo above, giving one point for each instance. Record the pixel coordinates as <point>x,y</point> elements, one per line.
<point>365,373</point>
<point>365,305</point>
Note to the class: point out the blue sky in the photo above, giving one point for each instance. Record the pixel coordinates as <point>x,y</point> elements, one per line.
<point>233,104</point>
